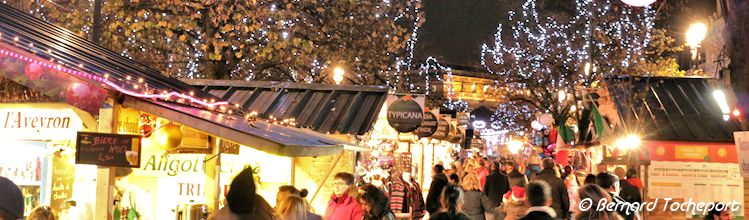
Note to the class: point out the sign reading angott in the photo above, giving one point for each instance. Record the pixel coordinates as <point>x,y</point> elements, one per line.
<point>38,123</point>
<point>741,138</point>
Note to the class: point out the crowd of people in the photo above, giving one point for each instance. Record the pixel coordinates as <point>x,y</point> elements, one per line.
<point>476,189</point>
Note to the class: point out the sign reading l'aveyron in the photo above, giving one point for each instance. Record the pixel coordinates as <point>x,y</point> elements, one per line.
<point>116,150</point>
<point>38,123</point>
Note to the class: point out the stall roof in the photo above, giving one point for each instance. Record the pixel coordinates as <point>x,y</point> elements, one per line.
<point>37,36</point>
<point>673,109</point>
<point>48,41</point>
<point>271,138</point>
<point>324,108</point>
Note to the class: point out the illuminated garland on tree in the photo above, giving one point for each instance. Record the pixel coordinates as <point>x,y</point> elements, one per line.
<point>284,40</point>
<point>552,53</point>
<point>513,116</point>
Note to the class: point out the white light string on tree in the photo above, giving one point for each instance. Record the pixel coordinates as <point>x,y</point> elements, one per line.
<point>540,55</point>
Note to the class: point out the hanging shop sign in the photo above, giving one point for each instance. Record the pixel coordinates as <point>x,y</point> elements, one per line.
<point>477,143</point>
<point>455,135</point>
<point>28,123</point>
<point>117,150</point>
<point>428,125</point>
<point>463,118</point>
<point>443,129</point>
<point>404,114</point>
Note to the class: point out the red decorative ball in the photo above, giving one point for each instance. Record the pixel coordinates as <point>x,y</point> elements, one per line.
<point>146,130</point>
<point>33,71</point>
<point>84,96</point>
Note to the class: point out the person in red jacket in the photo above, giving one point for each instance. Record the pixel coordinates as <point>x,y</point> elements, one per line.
<point>344,204</point>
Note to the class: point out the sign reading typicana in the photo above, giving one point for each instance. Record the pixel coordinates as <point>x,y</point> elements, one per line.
<point>405,114</point>
<point>103,149</point>
<point>27,123</point>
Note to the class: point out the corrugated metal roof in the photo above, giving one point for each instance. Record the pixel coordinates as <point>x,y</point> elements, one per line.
<point>676,109</point>
<point>321,107</point>
<point>268,137</point>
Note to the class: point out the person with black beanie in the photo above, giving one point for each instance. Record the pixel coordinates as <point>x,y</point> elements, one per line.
<point>11,200</point>
<point>243,201</point>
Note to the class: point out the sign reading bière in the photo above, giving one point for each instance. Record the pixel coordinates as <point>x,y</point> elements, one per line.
<point>117,150</point>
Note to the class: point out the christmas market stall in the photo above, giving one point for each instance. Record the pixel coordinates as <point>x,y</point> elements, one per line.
<point>338,111</point>
<point>183,144</point>
<point>681,132</point>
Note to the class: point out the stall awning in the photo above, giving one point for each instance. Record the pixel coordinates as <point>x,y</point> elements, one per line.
<point>271,138</point>
<point>320,107</point>
<point>671,109</point>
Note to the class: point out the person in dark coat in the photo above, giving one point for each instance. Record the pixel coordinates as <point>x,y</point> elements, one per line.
<point>609,182</point>
<point>439,181</point>
<point>627,191</point>
<point>475,203</point>
<point>560,198</point>
<point>590,179</point>
<point>538,194</point>
<point>497,184</point>
<point>516,177</point>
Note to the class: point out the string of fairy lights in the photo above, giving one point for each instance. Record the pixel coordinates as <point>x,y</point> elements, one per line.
<point>562,55</point>
<point>580,48</point>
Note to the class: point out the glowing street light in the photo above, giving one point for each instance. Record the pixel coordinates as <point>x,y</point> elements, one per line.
<point>628,142</point>
<point>338,75</point>
<point>720,98</point>
<point>638,3</point>
<point>514,146</point>
<point>695,35</point>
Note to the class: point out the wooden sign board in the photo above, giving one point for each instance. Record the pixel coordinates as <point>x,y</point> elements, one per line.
<point>63,177</point>
<point>116,150</point>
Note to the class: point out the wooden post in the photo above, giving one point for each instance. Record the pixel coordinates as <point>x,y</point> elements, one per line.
<point>213,187</point>
<point>422,169</point>
<point>293,170</point>
<point>104,176</point>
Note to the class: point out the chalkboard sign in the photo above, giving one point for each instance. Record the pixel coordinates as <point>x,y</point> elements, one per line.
<point>117,150</point>
<point>63,176</point>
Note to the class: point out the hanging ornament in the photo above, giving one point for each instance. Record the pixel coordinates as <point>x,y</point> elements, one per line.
<point>537,125</point>
<point>33,71</point>
<point>638,3</point>
<point>168,137</point>
<point>146,130</point>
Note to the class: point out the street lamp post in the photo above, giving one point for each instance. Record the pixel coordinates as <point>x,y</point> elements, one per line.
<point>694,36</point>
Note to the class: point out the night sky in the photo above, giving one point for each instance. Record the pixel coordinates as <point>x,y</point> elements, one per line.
<point>455,29</point>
